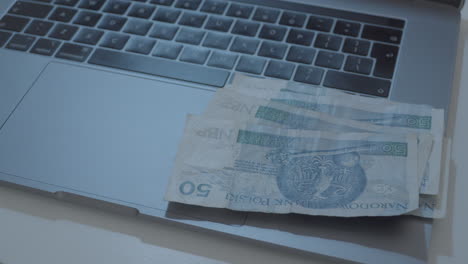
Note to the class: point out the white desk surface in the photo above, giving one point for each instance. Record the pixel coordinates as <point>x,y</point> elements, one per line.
<point>36,229</point>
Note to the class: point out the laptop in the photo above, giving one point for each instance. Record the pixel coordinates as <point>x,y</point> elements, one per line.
<point>94,94</point>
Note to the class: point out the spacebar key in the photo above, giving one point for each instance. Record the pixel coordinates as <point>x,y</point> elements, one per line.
<point>159,67</point>
<point>357,83</point>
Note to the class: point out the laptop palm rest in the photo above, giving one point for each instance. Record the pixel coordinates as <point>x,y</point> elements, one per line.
<point>94,132</point>
<point>15,80</point>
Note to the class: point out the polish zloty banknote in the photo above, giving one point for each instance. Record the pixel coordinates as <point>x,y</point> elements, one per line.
<point>431,206</point>
<point>372,110</point>
<point>246,167</point>
<point>413,118</point>
<point>228,104</point>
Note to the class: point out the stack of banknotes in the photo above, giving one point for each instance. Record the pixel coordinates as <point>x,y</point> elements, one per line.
<point>273,146</point>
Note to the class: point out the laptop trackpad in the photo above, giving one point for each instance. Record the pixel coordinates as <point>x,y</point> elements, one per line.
<point>100,133</point>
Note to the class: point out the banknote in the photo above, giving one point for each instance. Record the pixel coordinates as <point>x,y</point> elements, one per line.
<point>406,116</point>
<point>228,104</point>
<point>247,167</point>
<point>372,110</point>
<point>418,117</point>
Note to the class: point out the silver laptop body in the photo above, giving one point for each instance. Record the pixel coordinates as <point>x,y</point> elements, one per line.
<point>85,123</point>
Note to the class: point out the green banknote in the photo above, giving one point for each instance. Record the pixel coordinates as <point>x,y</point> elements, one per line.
<point>243,166</point>
<point>228,104</point>
<point>377,111</point>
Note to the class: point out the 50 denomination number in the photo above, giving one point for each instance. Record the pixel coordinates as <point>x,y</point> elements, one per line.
<point>189,188</point>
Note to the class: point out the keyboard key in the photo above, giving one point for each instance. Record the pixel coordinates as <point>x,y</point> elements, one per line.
<point>292,19</point>
<point>347,28</point>
<point>266,15</point>
<point>13,23</point>
<point>329,59</point>
<point>300,37</point>
<point>91,4</point>
<point>20,42</point>
<point>386,57</point>
<point>87,18</point>
<point>214,6</point>
<point>66,2</point>
<point>242,11</point>
<point>273,32</point>
<point>43,1</point>
<point>245,28</point>
<point>89,36</point>
<point>188,4</point>
<point>167,15</point>
<point>63,14</point>
<point>30,9</point>
<point>280,70</point>
<point>250,64</point>
<point>245,45</point>
<point>194,55</point>
<point>273,50</point>
<point>356,46</point>
<point>358,65</point>
<point>111,22</point>
<point>160,67</point>
<point>357,83</point>
<point>167,50</point>
<point>114,40</point>
<point>73,52</point>
<point>39,27</point>
<point>141,10</point>
<point>62,31</point>
<point>309,75</point>
<point>219,23</point>
<point>117,7</point>
<point>217,41</point>
<point>4,36</point>
<point>163,31</point>
<point>162,2</point>
<point>190,36</point>
<point>192,19</point>
<point>137,27</point>
<point>382,34</point>
<point>320,23</point>
<point>141,45</point>
<point>330,42</point>
<point>222,60</point>
<point>301,55</point>
<point>45,47</point>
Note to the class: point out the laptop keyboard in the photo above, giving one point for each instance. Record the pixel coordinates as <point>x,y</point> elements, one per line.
<point>205,41</point>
